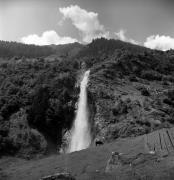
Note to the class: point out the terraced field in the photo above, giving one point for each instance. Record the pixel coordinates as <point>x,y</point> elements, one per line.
<point>161,141</point>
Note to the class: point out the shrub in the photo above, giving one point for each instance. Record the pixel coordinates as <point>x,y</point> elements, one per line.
<point>7,146</point>
<point>112,131</point>
<point>133,78</point>
<point>119,108</point>
<point>144,91</point>
<point>169,102</point>
<point>169,78</point>
<point>151,75</point>
<point>170,94</point>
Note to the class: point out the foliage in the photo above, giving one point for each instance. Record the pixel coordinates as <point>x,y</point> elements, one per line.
<point>17,50</point>
<point>144,91</point>
<point>46,89</point>
<point>151,75</point>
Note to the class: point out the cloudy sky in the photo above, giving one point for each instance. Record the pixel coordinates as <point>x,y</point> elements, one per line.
<point>146,22</point>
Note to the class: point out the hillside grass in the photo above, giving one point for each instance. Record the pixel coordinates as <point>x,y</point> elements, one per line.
<point>90,164</point>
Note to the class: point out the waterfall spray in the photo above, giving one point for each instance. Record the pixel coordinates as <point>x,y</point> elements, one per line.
<point>81,137</point>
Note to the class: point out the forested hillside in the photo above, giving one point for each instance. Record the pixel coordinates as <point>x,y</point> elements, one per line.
<point>131,92</point>
<point>19,50</point>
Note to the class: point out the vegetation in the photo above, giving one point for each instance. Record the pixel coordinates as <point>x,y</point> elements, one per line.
<point>45,90</point>
<point>18,50</point>
<point>130,91</point>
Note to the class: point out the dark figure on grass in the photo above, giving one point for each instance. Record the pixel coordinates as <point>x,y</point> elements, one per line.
<point>99,141</point>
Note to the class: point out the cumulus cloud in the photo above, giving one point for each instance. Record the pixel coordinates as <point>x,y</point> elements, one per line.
<point>159,42</point>
<point>121,35</point>
<point>47,38</point>
<point>86,22</point>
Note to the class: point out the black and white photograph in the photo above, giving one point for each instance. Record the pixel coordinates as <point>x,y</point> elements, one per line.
<point>86,90</point>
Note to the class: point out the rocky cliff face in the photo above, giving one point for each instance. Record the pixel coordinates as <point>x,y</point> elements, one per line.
<point>133,95</point>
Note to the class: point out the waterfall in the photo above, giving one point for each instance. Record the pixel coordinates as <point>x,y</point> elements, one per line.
<point>81,137</point>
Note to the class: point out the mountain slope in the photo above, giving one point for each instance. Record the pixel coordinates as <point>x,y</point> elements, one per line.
<point>18,50</point>
<point>130,93</point>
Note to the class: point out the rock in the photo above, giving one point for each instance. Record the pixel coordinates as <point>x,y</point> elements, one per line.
<point>114,163</point>
<point>58,176</point>
<point>119,161</point>
<point>151,152</point>
<point>65,142</point>
<point>29,142</point>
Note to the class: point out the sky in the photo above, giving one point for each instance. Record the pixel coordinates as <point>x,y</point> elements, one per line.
<point>148,23</point>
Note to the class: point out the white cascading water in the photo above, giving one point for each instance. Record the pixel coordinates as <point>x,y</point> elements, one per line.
<point>81,136</point>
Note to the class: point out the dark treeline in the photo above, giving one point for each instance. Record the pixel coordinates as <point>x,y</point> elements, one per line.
<point>12,49</point>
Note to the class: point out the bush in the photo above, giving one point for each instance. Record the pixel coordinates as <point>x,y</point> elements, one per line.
<point>151,75</point>
<point>144,91</point>
<point>169,78</point>
<point>169,102</point>
<point>170,94</point>
<point>7,146</point>
<point>119,108</point>
<point>112,132</point>
<point>133,78</point>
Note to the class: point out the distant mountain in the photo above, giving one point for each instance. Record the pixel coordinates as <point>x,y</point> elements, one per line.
<point>96,48</point>
<point>102,45</point>
<point>12,49</point>
<point>69,50</point>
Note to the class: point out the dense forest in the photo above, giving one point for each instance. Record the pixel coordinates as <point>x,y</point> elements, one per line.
<point>12,49</point>
<point>19,50</point>
<point>131,92</point>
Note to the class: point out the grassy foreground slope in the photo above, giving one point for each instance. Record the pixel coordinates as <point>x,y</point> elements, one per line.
<point>137,163</point>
